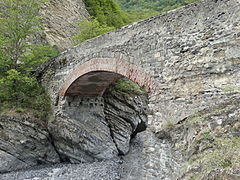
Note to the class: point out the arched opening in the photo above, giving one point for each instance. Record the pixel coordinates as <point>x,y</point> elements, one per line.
<point>92,84</point>
<point>115,67</point>
<point>102,110</point>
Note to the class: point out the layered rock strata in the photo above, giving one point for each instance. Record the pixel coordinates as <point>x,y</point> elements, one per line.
<point>60,18</point>
<point>86,129</point>
<point>24,142</point>
<point>82,130</point>
<point>126,114</point>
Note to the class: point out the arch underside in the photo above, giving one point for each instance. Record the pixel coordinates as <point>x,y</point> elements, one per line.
<point>92,84</point>
<point>91,78</point>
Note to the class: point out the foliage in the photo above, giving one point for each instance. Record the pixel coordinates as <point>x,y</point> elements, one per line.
<point>125,87</point>
<point>89,29</point>
<point>106,16</point>
<point>107,12</point>
<point>155,5</point>
<point>20,91</point>
<point>37,54</point>
<point>140,9</point>
<point>19,20</point>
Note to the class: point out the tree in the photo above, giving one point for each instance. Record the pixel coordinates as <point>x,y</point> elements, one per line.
<point>106,16</point>
<point>19,21</point>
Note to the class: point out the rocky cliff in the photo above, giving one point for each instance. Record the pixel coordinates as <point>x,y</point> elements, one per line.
<point>86,129</point>
<point>60,19</point>
<point>208,141</point>
<point>24,142</point>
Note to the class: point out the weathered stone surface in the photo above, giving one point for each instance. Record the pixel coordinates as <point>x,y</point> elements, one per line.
<point>24,143</point>
<point>80,132</point>
<point>126,113</point>
<point>85,128</point>
<point>60,19</point>
<point>208,142</point>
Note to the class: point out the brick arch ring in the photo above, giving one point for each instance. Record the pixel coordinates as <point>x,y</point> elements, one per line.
<point>95,69</point>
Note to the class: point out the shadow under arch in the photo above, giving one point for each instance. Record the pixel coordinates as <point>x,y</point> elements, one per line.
<point>94,76</point>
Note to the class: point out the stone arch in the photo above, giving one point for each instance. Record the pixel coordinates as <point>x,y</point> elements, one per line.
<point>98,68</point>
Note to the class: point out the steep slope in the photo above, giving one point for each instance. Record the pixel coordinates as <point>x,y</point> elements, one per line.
<point>60,18</point>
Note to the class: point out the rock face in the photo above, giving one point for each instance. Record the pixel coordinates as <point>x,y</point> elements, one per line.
<point>88,129</point>
<point>80,132</point>
<point>24,142</point>
<point>126,113</point>
<point>60,19</point>
<point>83,129</point>
<point>208,141</point>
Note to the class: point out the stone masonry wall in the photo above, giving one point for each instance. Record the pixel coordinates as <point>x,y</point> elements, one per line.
<point>191,52</point>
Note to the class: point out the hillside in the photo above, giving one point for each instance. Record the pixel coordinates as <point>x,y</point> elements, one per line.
<point>145,8</point>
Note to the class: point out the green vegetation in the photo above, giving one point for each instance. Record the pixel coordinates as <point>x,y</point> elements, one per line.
<point>107,15</point>
<point>19,20</point>
<point>145,8</point>
<point>214,147</point>
<point>169,125</point>
<point>107,12</point>
<point>126,87</point>
<point>228,90</point>
<point>90,29</point>
<point>223,154</point>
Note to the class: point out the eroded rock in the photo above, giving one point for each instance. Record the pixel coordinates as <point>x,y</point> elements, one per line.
<point>60,18</point>
<point>87,129</point>
<point>126,113</point>
<point>209,141</point>
<point>80,132</point>
<point>24,142</point>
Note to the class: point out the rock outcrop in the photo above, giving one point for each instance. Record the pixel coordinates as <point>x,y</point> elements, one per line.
<point>83,129</point>
<point>126,113</point>
<point>208,141</point>
<point>80,132</point>
<point>87,129</point>
<point>24,143</point>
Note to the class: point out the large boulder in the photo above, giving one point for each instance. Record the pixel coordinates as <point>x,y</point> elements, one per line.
<point>80,132</point>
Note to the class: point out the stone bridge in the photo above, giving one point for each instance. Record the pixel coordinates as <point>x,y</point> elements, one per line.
<point>178,52</point>
<point>187,59</point>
